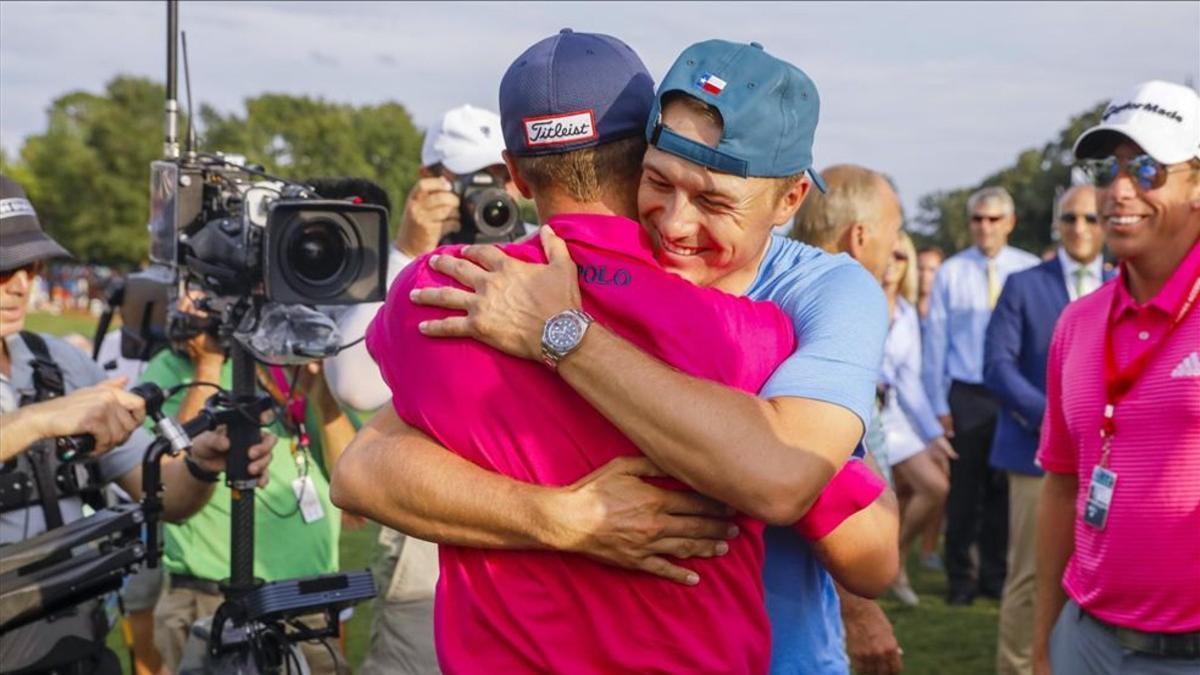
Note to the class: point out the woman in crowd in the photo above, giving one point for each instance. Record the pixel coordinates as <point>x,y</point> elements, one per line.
<point>917,450</point>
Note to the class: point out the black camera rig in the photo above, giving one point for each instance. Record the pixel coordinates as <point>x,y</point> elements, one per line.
<point>48,574</point>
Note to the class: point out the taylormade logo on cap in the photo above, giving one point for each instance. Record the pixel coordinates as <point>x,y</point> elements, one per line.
<point>1147,107</point>
<point>1163,118</point>
<point>557,129</point>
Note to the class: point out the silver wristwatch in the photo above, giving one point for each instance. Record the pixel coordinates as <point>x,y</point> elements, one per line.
<point>562,334</point>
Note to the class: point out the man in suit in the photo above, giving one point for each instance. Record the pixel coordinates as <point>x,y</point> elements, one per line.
<point>1015,351</point>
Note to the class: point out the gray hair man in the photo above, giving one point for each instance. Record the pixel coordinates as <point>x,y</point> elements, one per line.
<point>965,291</point>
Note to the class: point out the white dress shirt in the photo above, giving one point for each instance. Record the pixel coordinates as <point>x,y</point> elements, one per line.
<point>958,317</point>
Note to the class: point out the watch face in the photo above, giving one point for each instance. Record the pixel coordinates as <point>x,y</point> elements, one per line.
<point>564,333</point>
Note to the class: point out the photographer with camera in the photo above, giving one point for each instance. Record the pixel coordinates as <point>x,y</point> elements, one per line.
<point>461,161</point>
<point>296,525</point>
<point>49,390</point>
<point>455,197</point>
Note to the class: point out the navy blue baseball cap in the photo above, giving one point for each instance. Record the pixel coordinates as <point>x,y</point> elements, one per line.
<point>769,108</point>
<point>571,91</point>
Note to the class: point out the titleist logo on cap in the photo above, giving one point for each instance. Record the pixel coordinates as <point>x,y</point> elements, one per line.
<point>557,129</point>
<point>16,206</point>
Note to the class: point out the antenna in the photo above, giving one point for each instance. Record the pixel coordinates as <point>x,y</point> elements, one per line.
<point>171,141</point>
<point>191,119</point>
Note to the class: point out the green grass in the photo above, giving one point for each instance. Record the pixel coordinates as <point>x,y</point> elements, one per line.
<point>358,549</point>
<point>62,324</point>
<point>936,638</point>
<point>939,639</point>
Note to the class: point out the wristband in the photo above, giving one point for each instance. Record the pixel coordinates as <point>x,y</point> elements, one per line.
<point>852,489</point>
<point>200,473</point>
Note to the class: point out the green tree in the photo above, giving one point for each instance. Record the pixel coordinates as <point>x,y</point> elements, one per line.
<point>1034,181</point>
<point>300,137</point>
<point>87,175</point>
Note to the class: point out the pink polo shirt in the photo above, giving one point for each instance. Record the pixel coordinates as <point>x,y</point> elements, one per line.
<point>1142,571</point>
<point>500,611</point>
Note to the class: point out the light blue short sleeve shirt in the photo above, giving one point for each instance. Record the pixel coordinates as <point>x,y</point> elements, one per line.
<point>840,316</point>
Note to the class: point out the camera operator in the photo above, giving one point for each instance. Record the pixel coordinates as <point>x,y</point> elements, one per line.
<point>296,525</point>
<point>34,368</point>
<point>465,141</point>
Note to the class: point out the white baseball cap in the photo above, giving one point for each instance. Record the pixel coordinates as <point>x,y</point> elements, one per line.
<point>1162,117</point>
<point>465,140</point>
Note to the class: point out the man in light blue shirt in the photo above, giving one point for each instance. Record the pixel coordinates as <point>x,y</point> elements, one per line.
<point>964,293</point>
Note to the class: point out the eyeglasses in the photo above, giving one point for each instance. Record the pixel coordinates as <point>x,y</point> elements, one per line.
<point>980,218</point>
<point>31,269</point>
<point>1147,172</point>
<point>1071,218</point>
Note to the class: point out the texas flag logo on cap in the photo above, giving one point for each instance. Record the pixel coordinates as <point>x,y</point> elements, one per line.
<point>711,83</point>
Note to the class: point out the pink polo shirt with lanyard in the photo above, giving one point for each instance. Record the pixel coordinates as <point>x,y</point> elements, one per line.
<point>1141,568</point>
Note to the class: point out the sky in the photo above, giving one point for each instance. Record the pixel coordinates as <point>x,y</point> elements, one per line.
<point>938,95</point>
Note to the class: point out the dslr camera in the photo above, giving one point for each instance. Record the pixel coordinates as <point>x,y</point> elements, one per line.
<point>487,212</point>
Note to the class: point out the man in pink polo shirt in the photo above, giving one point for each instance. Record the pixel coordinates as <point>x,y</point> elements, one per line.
<point>1121,436</point>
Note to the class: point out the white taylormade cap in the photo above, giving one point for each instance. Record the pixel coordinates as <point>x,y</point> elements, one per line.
<point>465,140</point>
<point>1162,117</point>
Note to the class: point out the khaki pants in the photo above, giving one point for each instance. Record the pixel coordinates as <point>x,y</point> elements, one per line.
<point>1015,644</point>
<point>179,608</point>
<point>402,628</point>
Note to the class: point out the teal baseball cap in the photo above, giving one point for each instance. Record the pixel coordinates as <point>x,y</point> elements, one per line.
<point>769,108</point>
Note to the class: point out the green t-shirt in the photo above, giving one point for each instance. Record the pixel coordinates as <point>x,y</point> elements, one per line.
<point>284,545</point>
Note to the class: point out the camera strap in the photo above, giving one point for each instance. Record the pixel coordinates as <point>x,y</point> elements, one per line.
<point>47,384</point>
<point>39,468</point>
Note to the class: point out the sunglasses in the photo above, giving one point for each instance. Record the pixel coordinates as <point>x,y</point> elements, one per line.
<point>1147,172</point>
<point>980,218</point>
<point>30,269</point>
<point>1071,218</point>
<point>900,257</point>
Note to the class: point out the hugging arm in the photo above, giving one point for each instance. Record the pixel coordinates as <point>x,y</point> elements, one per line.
<point>397,475</point>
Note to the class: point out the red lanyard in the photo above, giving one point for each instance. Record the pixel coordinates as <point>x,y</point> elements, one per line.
<point>1118,382</point>
<point>294,406</point>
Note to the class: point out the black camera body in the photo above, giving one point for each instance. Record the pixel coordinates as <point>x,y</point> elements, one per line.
<point>279,241</point>
<point>217,228</point>
<point>488,214</point>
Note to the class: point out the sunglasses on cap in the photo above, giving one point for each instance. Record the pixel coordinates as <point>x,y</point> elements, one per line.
<point>1070,218</point>
<point>31,269</point>
<point>1147,172</point>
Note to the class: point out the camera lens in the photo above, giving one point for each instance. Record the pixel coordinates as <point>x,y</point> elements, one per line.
<point>317,251</point>
<point>496,213</point>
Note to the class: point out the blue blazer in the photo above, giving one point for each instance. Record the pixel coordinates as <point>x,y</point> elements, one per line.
<point>1015,352</point>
